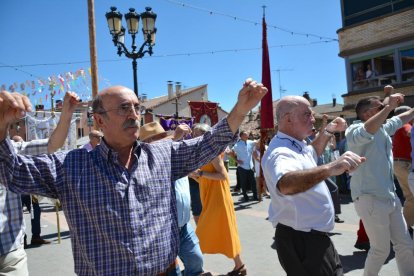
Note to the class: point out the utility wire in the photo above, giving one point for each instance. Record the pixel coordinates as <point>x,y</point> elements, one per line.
<point>249,21</point>
<point>16,67</point>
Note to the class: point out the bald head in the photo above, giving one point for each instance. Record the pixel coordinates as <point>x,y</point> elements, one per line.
<point>113,91</point>
<point>287,104</point>
<point>17,138</point>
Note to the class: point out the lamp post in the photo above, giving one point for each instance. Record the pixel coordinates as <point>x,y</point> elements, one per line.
<point>114,19</point>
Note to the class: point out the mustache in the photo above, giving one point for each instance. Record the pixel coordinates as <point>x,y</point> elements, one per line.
<point>130,123</point>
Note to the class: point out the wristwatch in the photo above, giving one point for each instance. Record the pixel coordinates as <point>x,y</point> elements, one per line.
<point>329,133</point>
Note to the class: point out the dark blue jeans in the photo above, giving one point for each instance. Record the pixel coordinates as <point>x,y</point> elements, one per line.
<point>36,214</point>
<point>196,206</point>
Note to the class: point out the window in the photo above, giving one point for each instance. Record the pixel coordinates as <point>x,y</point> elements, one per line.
<point>407,64</point>
<point>373,72</point>
<point>80,132</point>
<point>358,11</point>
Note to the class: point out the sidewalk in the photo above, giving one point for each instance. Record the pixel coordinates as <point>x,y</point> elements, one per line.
<point>256,235</point>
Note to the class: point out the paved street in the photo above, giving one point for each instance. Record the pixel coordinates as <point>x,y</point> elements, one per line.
<point>256,235</point>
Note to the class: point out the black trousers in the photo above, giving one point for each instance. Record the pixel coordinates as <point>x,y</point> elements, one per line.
<point>247,180</point>
<point>306,253</point>
<point>36,214</point>
<point>333,189</point>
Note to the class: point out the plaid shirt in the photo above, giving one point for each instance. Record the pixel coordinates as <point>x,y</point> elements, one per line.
<point>122,222</point>
<point>11,214</point>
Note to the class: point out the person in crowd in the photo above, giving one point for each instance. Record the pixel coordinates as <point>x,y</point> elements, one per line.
<point>217,226</point>
<point>118,199</point>
<point>242,151</point>
<point>13,258</point>
<point>95,137</point>
<point>196,206</point>
<point>411,173</point>
<point>372,186</point>
<point>260,186</point>
<point>189,250</point>
<point>301,206</point>
<point>328,156</point>
<point>401,150</point>
<point>360,80</point>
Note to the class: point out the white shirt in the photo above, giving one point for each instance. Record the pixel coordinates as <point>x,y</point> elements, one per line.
<point>312,209</point>
<point>88,147</point>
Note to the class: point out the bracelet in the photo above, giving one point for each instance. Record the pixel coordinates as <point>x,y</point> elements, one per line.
<point>327,132</point>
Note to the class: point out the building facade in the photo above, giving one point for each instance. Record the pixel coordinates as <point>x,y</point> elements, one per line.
<point>377,43</point>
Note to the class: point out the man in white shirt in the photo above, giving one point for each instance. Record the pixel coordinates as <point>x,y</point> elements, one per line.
<point>301,206</point>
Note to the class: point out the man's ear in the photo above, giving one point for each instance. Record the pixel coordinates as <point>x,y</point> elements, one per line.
<point>99,120</point>
<point>287,117</point>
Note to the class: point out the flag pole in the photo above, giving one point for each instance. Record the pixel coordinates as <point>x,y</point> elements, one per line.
<point>266,105</point>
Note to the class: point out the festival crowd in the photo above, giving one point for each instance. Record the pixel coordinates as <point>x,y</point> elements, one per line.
<point>129,193</point>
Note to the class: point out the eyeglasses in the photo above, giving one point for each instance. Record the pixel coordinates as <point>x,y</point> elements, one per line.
<point>124,109</point>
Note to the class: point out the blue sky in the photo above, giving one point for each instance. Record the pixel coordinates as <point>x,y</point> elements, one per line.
<point>48,32</point>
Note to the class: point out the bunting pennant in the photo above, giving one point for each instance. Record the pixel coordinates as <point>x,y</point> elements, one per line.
<point>78,82</point>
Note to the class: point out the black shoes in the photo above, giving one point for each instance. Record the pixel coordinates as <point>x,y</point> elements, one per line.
<point>338,220</point>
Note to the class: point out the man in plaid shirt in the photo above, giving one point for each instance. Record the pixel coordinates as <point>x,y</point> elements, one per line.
<point>118,198</point>
<point>13,260</point>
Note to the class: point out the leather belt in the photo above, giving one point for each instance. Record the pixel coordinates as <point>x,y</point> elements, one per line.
<point>402,160</point>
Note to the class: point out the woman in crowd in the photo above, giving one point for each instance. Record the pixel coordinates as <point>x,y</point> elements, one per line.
<point>261,186</point>
<point>217,227</point>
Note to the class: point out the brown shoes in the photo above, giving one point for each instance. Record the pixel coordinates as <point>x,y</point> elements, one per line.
<point>39,241</point>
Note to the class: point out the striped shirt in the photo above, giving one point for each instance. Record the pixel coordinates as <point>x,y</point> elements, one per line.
<point>122,222</point>
<point>11,214</point>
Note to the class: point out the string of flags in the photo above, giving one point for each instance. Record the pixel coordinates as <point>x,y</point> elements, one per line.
<point>40,89</point>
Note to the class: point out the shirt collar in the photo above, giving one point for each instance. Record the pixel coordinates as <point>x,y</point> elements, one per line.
<point>302,144</point>
<point>110,154</point>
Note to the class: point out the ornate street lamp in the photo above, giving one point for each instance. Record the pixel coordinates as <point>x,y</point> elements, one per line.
<point>117,31</point>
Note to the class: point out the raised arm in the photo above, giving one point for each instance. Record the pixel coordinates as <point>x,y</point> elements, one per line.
<point>325,134</point>
<point>407,116</point>
<point>58,137</point>
<point>249,96</point>
<point>373,124</point>
<point>25,174</point>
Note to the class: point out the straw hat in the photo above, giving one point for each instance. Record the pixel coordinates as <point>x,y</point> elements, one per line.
<point>150,130</point>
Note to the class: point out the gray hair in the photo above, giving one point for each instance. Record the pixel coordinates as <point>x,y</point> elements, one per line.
<point>97,105</point>
<point>401,109</point>
<point>203,128</point>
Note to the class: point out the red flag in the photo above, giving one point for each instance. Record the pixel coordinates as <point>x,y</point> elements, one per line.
<point>266,107</point>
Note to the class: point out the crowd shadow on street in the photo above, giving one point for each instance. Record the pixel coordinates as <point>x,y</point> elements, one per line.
<point>357,260</point>
<point>240,205</point>
<point>51,237</point>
